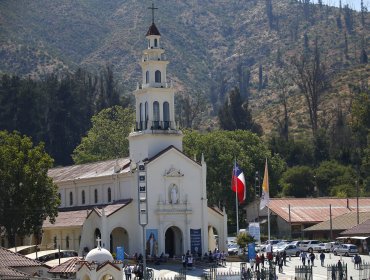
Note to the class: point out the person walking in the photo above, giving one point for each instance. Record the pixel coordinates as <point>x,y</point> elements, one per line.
<point>284,257</point>
<point>303,257</point>
<point>258,260</point>
<point>190,262</point>
<point>128,272</point>
<point>183,260</point>
<point>263,260</point>
<point>322,258</point>
<point>312,258</point>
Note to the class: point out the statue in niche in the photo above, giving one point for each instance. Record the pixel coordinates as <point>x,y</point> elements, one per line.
<point>173,194</point>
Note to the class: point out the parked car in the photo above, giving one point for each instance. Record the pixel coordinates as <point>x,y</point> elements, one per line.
<point>233,249</point>
<point>324,247</point>
<point>290,249</point>
<point>333,245</point>
<point>310,246</point>
<point>346,250</point>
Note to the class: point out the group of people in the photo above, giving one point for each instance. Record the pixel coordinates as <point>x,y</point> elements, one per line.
<point>216,256</point>
<point>187,260</point>
<point>309,257</point>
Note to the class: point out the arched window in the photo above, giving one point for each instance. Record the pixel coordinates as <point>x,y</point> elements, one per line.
<point>147,77</point>
<point>166,115</point>
<point>155,114</point>
<point>67,242</point>
<point>146,114</point>
<point>141,116</point>
<point>155,42</point>
<point>70,198</point>
<point>158,76</point>
<point>83,197</point>
<point>96,195</point>
<point>109,195</point>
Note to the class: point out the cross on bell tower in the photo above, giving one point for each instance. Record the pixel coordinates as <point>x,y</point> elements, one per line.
<point>153,8</point>
<point>98,240</point>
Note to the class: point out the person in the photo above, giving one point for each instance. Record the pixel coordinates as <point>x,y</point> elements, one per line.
<point>128,272</point>
<point>312,258</point>
<point>258,260</point>
<point>340,270</point>
<point>183,260</point>
<point>303,257</point>
<point>322,258</point>
<point>190,262</point>
<point>223,258</point>
<point>280,264</point>
<point>284,257</point>
<point>263,260</point>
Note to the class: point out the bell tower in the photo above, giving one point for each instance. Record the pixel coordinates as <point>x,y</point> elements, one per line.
<point>155,128</point>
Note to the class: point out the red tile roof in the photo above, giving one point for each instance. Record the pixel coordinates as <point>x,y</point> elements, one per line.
<point>315,210</point>
<point>361,229</point>
<point>66,267</point>
<point>11,259</point>
<point>76,218</point>
<point>90,170</point>
<point>68,219</point>
<point>7,273</point>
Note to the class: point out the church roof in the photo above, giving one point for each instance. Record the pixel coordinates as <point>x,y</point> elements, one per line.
<point>361,229</point>
<point>153,30</point>
<point>166,150</point>
<point>76,216</point>
<point>90,170</point>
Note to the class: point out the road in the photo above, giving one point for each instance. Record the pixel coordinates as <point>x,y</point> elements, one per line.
<point>170,270</point>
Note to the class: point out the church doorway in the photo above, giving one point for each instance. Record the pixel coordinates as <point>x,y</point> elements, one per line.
<point>107,277</point>
<point>173,242</point>
<point>86,277</point>
<point>119,238</point>
<point>212,238</point>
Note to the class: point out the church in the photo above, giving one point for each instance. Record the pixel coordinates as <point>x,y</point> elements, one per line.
<point>154,200</point>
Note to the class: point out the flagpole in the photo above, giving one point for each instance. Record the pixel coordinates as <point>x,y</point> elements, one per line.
<point>268,222</point>
<point>236,199</point>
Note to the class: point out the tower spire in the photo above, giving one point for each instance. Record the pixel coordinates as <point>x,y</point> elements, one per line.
<point>153,8</point>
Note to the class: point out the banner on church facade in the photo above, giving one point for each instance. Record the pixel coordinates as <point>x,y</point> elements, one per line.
<point>151,248</point>
<point>196,241</point>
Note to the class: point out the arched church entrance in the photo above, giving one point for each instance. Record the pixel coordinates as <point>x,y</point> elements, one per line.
<point>119,238</point>
<point>173,242</point>
<point>107,277</point>
<point>86,277</point>
<point>212,238</point>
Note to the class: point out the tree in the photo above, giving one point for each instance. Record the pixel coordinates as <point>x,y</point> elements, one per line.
<point>242,239</point>
<point>107,139</point>
<point>28,195</point>
<point>190,109</point>
<point>281,83</point>
<point>312,79</point>
<point>235,114</point>
<point>298,181</point>
<point>220,148</point>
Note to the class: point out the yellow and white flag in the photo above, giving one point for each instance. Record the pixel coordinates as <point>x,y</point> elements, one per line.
<point>265,197</point>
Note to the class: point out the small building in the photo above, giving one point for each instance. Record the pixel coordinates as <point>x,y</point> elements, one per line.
<point>290,216</point>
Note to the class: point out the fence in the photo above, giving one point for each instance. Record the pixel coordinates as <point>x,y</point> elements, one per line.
<point>303,272</point>
<point>364,271</point>
<point>337,272</point>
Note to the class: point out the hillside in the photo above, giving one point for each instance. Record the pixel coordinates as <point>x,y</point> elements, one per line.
<point>206,42</point>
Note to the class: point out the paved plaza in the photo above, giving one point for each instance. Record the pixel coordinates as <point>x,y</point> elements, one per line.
<point>170,270</point>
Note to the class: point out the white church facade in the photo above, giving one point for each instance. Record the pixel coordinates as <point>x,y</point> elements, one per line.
<point>157,185</point>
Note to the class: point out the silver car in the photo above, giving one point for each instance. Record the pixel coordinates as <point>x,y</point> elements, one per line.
<point>290,249</point>
<point>346,250</point>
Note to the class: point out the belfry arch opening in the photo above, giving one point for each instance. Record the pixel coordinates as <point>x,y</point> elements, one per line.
<point>212,238</point>
<point>173,242</point>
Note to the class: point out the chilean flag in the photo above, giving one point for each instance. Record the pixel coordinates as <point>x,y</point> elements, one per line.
<point>238,183</point>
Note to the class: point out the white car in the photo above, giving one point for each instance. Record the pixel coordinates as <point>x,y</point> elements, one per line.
<point>233,249</point>
<point>310,246</point>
